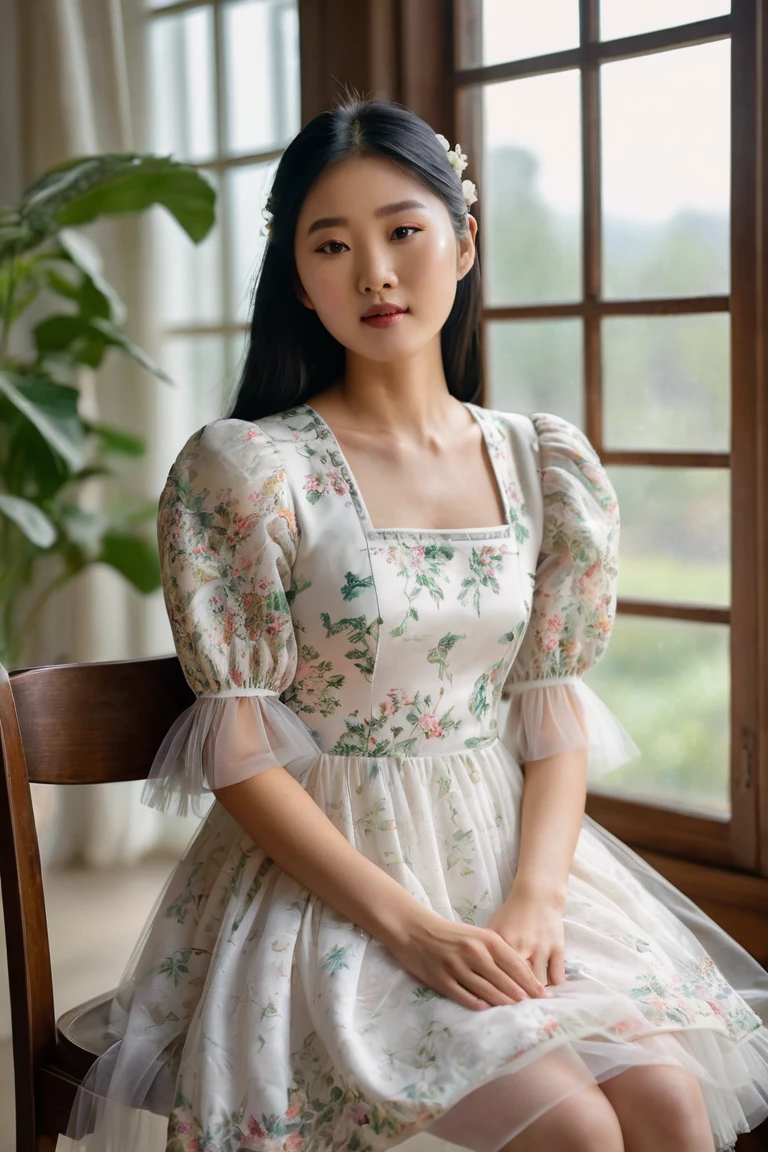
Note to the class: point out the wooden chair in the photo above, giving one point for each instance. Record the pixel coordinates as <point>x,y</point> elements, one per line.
<point>65,724</point>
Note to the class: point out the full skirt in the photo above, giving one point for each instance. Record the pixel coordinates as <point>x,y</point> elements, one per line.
<point>253,1016</point>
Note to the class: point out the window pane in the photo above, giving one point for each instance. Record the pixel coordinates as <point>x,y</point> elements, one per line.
<point>535,366</point>
<point>197,368</point>
<point>532,190</point>
<point>491,31</point>
<point>620,18</point>
<point>666,382</point>
<point>668,681</point>
<point>675,534</point>
<point>261,39</point>
<point>186,277</point>
<point>247,191</point>
<point>181,107</point>
<point>666,173</point>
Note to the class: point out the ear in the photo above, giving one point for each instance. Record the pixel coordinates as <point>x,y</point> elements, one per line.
<point>467,248</point>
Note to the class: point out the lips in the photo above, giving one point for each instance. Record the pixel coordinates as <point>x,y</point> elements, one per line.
<point>382,310</point>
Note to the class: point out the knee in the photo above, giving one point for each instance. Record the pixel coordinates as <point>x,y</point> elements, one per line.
<point>665,1099</point>
<point>676,1100</point>
<point>588,1124</point>
<point>583,1122</point>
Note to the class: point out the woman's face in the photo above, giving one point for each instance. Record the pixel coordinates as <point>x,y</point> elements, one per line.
<point>370,234</point>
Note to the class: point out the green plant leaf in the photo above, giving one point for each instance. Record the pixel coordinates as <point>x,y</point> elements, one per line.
<point>32,521</point>
<point>86,338</point>
<point>134,557</point>
<point>86,256</point>
<point>115,441</point>
<point>114,336</point>
<point>84,528</point>
<point>83,189</point>
<point>52,409</point>
<point>15,233</point>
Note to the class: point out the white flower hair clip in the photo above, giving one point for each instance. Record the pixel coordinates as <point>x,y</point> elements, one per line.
<point>458,161</point>
<point>266,228</point>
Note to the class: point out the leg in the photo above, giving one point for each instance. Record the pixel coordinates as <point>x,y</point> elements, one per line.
<point>660,1109</point>
<point>553,1105</point>
<point>584,1122</point>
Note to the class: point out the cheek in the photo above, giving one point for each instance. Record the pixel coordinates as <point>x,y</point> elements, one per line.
<point>325,282</point>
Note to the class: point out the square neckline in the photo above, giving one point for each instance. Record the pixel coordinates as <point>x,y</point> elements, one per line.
<point>491,532</point>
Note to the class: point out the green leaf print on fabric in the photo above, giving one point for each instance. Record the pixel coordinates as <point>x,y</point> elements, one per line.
<point>190,896</point>
<point>363,738</point>
<point>422,567</point>
<point>484,564</point>
<point>424,993</point>
<point>315,684</point>
<point>335,960</point>
<point>360,633</point>
<point>354,586</point>
<point>298,584</point>
<point>176,965</point>
<point>439,654</point>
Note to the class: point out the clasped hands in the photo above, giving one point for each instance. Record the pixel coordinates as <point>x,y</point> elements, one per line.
<point>532,924</point>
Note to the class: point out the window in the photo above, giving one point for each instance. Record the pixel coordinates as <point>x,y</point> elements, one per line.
<point>620,253</point>
<point>223,94</point>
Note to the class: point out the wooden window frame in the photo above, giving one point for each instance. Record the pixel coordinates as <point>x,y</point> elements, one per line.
<point>219,163</point>
<point>741,840</point>
<point>404,50</point>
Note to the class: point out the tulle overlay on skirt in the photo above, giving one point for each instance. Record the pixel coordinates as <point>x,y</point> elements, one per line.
<point>253,1016</point>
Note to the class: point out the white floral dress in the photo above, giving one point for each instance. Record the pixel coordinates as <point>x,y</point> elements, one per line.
<point>369,663</point>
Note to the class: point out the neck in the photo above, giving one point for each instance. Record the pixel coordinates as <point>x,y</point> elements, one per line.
<point>391,396</point>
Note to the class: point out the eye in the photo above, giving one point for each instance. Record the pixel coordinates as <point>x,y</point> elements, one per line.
<point>406,228</point>
<point>330,243</point>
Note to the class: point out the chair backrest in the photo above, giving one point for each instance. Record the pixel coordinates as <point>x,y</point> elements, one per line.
<point>64,724</point>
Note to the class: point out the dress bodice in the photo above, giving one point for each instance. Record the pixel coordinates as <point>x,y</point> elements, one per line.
<point>404,637</point>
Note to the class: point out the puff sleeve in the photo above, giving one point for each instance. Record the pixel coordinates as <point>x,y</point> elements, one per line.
<point>574,602</point>
<point>227,537</point>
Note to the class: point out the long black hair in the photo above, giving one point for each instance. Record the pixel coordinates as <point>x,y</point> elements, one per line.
<point>291,355</point>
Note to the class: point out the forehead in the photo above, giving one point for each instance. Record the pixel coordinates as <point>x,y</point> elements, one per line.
<point>360,184</point>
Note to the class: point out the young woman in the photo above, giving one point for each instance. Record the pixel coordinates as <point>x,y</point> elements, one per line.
<point>394,918</point>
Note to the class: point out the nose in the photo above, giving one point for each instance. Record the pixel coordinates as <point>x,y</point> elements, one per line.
<point>375,273</point>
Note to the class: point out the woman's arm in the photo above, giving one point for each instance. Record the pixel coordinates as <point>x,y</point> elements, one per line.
<point>554,796</point>
<point>283,819</point>
<point>471,965</point>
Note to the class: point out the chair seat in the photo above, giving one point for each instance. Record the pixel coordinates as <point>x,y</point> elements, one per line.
<point>82,1034</point>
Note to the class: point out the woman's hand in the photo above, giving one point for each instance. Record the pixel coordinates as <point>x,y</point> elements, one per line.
<point>532,923</point>
<point>475,967</point>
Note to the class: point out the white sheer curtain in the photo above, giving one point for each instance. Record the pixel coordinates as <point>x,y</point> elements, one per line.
<point>66,67</point>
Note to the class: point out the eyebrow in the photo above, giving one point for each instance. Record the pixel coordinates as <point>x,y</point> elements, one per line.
<point>341,221</point>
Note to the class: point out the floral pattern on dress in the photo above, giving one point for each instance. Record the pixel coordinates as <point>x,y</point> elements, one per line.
<point>575,595</point>
<point>226,552</point>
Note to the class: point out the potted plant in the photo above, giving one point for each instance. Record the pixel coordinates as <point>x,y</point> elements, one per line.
<point>48,449</point>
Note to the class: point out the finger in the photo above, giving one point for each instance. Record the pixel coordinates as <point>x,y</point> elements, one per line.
<point>557,967</point>
<point>488,969</point>
<point>489,989</point>
<point>462,996</point>
<point>540,969</point>
<point>518,969</point>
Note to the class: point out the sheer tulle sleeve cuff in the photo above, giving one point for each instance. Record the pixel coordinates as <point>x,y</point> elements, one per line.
<point>223,739</point>
<point>550,716</point>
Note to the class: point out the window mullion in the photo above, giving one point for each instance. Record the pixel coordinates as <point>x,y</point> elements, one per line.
<point>589,19</point>
<point>225,202</point>
<point>745,749</point>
